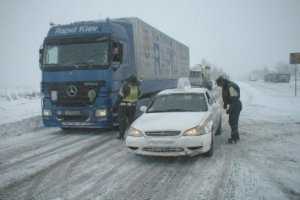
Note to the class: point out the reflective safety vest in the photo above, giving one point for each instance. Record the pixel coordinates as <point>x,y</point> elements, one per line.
<point>133,94</point>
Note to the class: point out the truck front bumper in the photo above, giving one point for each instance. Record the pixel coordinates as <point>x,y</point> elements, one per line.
<point>77,118</point>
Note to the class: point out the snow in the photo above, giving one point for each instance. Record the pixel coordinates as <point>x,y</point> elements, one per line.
<point>273,102</point>
<point>47,163</point>
<point>18,103</point>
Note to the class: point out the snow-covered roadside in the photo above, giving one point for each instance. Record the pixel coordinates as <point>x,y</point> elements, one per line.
<point>265,164</point>
<point>16,105</point>
<point>273,102</point>
<point>20,110</point>
<point>17,110</point>
<point>20,127</point>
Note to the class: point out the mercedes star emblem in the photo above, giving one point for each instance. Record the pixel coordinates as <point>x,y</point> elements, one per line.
<point>72,91</point>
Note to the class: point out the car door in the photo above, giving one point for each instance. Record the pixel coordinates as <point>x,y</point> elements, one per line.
<point>213,109</point>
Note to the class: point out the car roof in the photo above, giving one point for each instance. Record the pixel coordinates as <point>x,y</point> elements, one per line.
<point>183,90</point>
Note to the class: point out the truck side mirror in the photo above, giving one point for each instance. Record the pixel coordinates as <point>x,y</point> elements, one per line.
<point>117,53</point>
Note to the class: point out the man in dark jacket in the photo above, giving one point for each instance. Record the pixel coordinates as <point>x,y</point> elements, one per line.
<point>128,96</point>
<point>231,98</point>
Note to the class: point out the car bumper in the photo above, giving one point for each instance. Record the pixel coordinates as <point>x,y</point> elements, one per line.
<point>169,146</point>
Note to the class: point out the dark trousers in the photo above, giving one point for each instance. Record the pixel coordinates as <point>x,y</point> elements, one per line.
<point>234,114</point>
<point>126,114</point>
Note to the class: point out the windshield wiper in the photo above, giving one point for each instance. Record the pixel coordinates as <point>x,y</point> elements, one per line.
<point>83,64</point>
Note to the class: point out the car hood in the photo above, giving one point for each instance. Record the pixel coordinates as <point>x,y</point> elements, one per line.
<point>169,121</point>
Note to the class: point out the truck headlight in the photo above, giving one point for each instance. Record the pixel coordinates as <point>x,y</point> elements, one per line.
<point>47,113</point>
<point>54,95</point>
<point>134,132</point>
<point>101,113</point>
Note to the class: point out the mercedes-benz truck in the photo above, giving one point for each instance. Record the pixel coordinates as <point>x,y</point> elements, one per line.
<point>84,64</point>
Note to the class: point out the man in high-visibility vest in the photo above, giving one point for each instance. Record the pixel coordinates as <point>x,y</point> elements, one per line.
<point>128,96</point>
<point>231,98</point>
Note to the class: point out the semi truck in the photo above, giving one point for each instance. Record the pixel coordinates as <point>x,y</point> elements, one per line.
<point>84,64</point>
<point>200,76</point>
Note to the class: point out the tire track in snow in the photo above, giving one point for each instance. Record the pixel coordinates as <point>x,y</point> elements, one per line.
<point>38,154</point>
<point>58,182</point>
<point>18,183</point>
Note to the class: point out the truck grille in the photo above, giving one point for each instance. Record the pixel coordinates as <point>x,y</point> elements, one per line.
<point>163,149</point>
<point>74,94</point>
<point>162,133</point>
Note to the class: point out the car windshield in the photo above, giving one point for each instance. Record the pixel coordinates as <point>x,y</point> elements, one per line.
<point>179,103</point>
<point>77,55</point>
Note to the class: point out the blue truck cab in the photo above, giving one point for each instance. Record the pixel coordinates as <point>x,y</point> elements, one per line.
<point>84,64</point>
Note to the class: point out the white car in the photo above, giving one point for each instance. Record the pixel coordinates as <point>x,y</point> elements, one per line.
<point>177,122</point>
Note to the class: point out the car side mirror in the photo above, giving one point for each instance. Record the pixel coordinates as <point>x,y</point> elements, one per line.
<point>143,109</point>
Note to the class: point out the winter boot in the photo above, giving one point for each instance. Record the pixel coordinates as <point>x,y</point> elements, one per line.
<point>232,140</point>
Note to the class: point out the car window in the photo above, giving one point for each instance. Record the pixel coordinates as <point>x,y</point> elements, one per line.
<point>179,103</point>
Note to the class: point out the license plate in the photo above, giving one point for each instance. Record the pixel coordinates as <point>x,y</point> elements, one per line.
<point>161,142</point>
<point>72,112</point>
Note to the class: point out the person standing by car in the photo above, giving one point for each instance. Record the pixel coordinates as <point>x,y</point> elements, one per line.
<point>231,98</point>
<point>128,96</point>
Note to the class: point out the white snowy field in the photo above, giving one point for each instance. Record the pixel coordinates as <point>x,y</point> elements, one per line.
<point>18,104</point>
<point>47,163</point>
<point>273,102</point>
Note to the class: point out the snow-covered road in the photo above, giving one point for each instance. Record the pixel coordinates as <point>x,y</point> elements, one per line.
<point>43,163</point>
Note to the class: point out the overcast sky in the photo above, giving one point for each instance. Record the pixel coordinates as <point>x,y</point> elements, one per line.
<point>236,35</point>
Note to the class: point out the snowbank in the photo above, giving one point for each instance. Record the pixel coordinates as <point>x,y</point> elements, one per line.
<point>19,103</point>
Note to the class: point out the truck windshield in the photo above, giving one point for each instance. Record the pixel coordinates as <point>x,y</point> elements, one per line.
<point>195,74</point>
<point>76,55</point>
<point>179,103</point>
